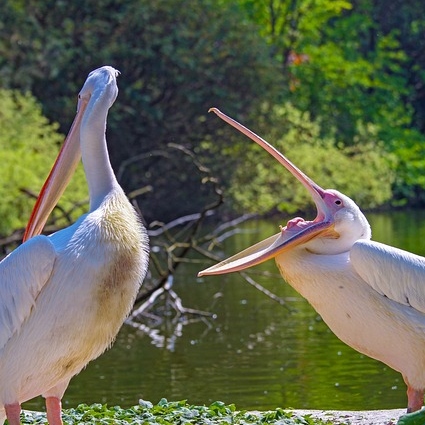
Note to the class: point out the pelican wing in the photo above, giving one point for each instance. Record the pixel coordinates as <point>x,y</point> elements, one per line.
<point>394,273</point>
<point>23,273</point>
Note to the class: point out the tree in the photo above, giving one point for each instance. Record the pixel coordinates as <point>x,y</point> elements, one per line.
<point>352,65</point>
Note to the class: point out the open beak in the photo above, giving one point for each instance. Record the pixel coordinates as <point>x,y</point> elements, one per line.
<point>295,233</point>
<point>59,177</point>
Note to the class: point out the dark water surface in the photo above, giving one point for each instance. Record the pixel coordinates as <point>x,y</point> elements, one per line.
<point>255,353</point>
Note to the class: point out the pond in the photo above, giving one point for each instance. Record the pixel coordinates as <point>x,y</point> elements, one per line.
<point>255,352</point>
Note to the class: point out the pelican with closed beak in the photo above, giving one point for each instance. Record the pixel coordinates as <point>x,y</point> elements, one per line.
<point>65,296</point>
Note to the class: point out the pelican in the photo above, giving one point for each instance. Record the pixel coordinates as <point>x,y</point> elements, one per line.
<point>371,295</point>
<point>64,297</point>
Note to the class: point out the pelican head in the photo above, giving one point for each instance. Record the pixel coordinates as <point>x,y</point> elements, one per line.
<point>99,80</point>
<point>338,223</point>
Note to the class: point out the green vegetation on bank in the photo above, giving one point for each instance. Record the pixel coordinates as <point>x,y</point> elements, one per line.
<point>171,413</point>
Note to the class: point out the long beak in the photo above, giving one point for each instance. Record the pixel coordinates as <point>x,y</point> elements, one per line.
<point>289,236</point>
<point>59,177</point>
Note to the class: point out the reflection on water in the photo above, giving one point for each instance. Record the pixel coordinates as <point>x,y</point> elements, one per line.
<point>255,353</point>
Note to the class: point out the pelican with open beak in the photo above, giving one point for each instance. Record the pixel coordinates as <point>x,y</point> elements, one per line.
<point>371,295</point>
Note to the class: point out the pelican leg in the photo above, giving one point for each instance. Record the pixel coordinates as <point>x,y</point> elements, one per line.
<point>13,413</point>
<point>53,409</point>
<point>415,399</point>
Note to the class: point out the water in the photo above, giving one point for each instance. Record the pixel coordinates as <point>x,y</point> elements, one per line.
<point>255,353</point>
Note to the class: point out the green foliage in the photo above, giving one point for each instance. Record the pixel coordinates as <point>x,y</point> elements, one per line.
<point>415,418</point>
<point>337,67</point>
<point>405,19</point>
<point>28,147</point>
<point>284,23</point>
<point>409,147</point>
<point>342,85</point>
<point>171,413</point>
<point>361,171</point>
<point>349,65</point>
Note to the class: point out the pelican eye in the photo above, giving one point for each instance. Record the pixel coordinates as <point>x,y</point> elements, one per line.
<point>338,202</point>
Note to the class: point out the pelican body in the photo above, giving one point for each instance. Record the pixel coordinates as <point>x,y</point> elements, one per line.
<point>65,296</point>
<point>371,295</point>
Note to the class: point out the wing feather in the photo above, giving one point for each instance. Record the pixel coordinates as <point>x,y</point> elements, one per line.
<point>23,273</point>
<point>394,273</point>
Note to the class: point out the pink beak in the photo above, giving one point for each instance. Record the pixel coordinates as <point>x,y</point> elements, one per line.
<point>289,236</point>
<point>59,177</point>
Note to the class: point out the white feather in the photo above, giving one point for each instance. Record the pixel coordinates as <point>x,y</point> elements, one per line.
<point>394,273</point>
<point>23,273</point>
<point>65,297</point>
